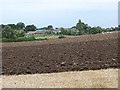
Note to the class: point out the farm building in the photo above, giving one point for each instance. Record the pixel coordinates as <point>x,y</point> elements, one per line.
<point>42,32</point>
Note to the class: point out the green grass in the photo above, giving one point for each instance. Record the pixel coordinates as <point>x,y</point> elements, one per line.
<point>30,38</point>
<point>46,36</point>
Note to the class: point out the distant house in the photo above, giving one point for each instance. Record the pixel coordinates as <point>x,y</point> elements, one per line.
<point>57,30</point>
<point>37,32</point>
<point>43,32</point>
<point>53,31</point>
<point>106,32</point>
<point>30,33</point>
<point>40,32</point>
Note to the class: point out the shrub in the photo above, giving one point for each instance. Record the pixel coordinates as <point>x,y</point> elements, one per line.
<point>42,39</point>
<point>19,39</point>
<point>7,32</point>
<point>7,40</point>
<point>25,39</point>
<point>19,33</point>
<point>62,36</point>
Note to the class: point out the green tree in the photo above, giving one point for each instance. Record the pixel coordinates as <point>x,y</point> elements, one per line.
<point>50,27</point>
<point>81,27</point>
<point>2,26</point>
<point>8,32</point>
<point>99,29</point>
<point>73,31</point>
<point>13,26</point>
<point>95,30</point>
<point>108,29</point>
<point>20,25</point>
<point>30,28</point>
<point>63,31</point>
<point>19,33</point>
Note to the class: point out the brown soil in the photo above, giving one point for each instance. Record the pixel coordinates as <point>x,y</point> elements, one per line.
<point>59,55</point>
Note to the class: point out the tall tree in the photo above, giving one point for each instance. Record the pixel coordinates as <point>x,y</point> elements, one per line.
<point>13,26</point>
<point>50,27</point>
<point>30,28</point>
<point>2,26</point>
<point>20,25</point>
<point>81,27</point>
<point>63,31</point>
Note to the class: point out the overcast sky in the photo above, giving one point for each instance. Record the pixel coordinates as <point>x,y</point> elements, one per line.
<point>60,13</point>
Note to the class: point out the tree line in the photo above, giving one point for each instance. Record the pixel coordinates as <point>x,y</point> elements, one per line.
<point>16,30</point>
<point>19,29</point>
<point>82,29</point>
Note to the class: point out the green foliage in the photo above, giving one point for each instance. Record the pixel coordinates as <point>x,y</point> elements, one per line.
<point>95,30</point>
<point>20,25</point>
<point>19,39</point>
<point>16,32</point>
<point>81,27</point>
<point>50,27</point>
<point>30,28</point>
<point>85,29</point>
<point>63,31</point>
<point>19,33</point>
<point>13,26</point>
<point>2,26</point>
<point>73,31</point>
<point>7,32</point>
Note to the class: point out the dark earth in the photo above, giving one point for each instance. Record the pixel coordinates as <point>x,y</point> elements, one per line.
<point>88,52</point>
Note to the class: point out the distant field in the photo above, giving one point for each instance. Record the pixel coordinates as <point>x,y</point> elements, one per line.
<point>59,55</point>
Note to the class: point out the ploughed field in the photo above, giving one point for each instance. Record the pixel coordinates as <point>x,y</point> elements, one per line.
<point>88,52</point>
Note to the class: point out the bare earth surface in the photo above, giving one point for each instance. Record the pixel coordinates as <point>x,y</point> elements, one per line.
<point>27,64</point>
<point>82,79</point>
<point>87,52</point>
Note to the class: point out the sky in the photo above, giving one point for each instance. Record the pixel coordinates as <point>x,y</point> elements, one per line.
<point>119,13</point>
<point>60,13</point>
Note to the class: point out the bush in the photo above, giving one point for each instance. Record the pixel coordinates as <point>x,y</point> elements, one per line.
<point>7,32</point>
<point>42,39</point>
<point>8,40</point>
<point>20,39</point>
<point>62,36</point>
<point>64,31</point>
<point>25,39</point>
<point>19,33</point>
